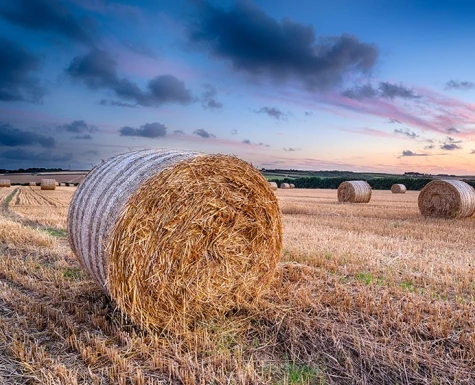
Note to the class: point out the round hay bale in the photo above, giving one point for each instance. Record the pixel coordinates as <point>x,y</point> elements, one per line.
<point>398,188</point>
<point>176,236</point>
<point>355,191</point>
<point>48,184</point>
<point>5,183</point>
<point>273,185</point>
<point>285,185</point>
<point>32,184</point>
<point>291,185</point>
<point>447,199</point>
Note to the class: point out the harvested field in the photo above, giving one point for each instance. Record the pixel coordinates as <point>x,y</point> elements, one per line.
<point>366,294</point>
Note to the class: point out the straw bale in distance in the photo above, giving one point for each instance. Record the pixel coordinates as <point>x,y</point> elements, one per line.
<point>447,199</point>
<point>5,183</point>
<point>48,184</point>
<point>273,185</point>
<point>285,185</point>
<point>32,184</point>
<point>291,185</point>
<point>398,188</point>
<point>176,236</point>
<point>356,191</point>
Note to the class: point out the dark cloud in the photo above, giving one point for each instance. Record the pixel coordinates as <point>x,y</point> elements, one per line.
<point>28,155</point>
<point>289,149</point>
<point>430,147</point>
<point>452,140</point>
<point>47,15</point>
<point>308,113</point>
<point>148,130</point>
<point>179,132</point>
<point>10,136</point>
<point>472,152</point>
<point>234,132</point>
<point>410,153</point>
<point>394,121</point>
<point>99,70</point>
<point>406,132</point>
<point>453,130</point>
<point>450,147</point>
<point>259,45</point>
<point>385,90</point>
<point>78,127</point>
<point>86,137</point>
<point>112,103</point>
<point>273,112</point>
<point>247,141</point>
<point>203,133</point>
<point>361,92</point>
<point>391,91</point>
<point>457,85</point>
<point>16,66</point>
<point>208,98</point>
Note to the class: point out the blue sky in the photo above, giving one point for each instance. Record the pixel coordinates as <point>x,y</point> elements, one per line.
<point>365,86</point>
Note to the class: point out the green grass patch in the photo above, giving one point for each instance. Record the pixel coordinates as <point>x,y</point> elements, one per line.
<point>9,198</point>
<point>367,278</point>
<point>407,285</point>
<point>59,233</point>
<point>295,374</point>
<point>72,273</point>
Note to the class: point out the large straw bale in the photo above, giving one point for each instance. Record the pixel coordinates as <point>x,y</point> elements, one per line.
<point>398,188</point>
<point>291,185</point>
<point>273,185</point>
<point>48,184</point>
<point>355,191</point>
<point>285,185</point>
<point>176,236</point>
<point>32,184</point>
<point>5,183</point>
<point>447,199</point>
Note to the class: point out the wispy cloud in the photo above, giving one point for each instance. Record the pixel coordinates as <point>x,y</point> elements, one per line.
<point>203,133</point>
<point>273,112</point>
<point>406,132</point>
<point>459,85</point>
<point>410,153</point>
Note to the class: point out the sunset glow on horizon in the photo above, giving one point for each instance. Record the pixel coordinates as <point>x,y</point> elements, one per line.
<point>359,86</point>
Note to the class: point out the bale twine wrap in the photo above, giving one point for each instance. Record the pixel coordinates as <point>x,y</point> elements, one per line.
<point>273,185</point>
<point>355,191</point>
<point>5,183</point>
<point>291,185</point>
<point>447,199</point>
<point>176,236</point>
<point>285,185</point>
<point>48,184</point>
<point>398,188</point>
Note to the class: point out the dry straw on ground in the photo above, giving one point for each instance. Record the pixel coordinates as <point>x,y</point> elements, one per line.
<point>356,191</point>
<point>447,199</point>
<point>273,185</point>
<point>176,236</point>
<point>285,185</point>
<point>398,189</point>
<point>5,183</point>
<point>48,184</point>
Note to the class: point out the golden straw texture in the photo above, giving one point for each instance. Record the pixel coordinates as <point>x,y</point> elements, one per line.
<point>5,183</point>
<point>398,189</point>
<point>356,191</point>
<point>193,240</point>
<point>32,184</point>
<point>285,185</point>
<point>273,185</point>
<point>447,199</point>
<point>291,185</point>
<point>48,184</point>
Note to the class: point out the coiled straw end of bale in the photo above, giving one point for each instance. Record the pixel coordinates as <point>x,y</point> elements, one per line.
<point>447,199</point>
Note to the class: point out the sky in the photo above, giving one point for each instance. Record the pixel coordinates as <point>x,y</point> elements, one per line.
<point>368,85</point>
